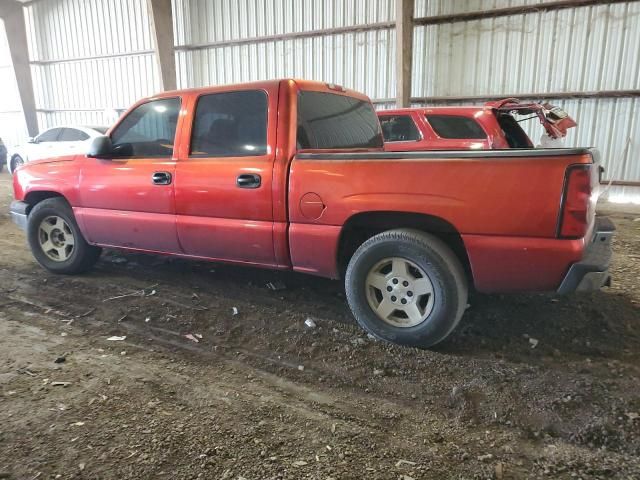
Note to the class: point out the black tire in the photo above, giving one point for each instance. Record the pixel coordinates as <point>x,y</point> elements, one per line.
<point>82,256</point>
<point>436,260</point>
<point>16,161</point>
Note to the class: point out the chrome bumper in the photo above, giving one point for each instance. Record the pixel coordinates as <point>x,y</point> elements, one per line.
<point>19,213</point>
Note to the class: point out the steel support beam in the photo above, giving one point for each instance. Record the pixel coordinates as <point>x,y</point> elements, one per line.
<point>404,51</point>
<point>509,11</point>
<point>12,14</point>
<point>161,19</point>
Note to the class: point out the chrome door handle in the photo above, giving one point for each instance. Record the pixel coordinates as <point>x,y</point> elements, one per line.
<point>248,180</point>
<point>161,178</point>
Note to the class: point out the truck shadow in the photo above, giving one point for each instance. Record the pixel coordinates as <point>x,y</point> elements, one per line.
<point>531,327</point>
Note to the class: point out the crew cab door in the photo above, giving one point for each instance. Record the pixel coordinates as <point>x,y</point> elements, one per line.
<point>128,200</point>
<point>224,176</point>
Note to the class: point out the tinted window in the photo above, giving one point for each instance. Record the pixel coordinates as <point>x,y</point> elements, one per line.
<point>49,135</point>
<point>232,124</point>
<point>149,130</point>
<point>398,128</point>
<point>72,135</point>
<point>513,132</point>
<point>326,120</point>
<point>451,126</point>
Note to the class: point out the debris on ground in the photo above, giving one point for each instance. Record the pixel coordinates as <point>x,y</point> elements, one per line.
<point>234,311</point>
<point>116,338</point>
<point>401,462</point>
<point>533,342</point>
<point>192,337</point>
<point>138,293</point>
<point>299,463</point>
<point>276,286</point>
<point>310,323</point>
<point>87,313</point>
<point>60,384</point>
<point>60,359</point>
<point>301,368</point>
<point>485,458</point>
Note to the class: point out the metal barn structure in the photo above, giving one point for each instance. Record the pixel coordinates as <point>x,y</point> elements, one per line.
<point>89,59</point>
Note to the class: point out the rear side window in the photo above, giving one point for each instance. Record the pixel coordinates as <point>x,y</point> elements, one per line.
<point>452,126</point>
<point>327,120</point>
<point>72,135</point>
<point>398,128</point>
<point>148,131</point>
<point>232,124</point>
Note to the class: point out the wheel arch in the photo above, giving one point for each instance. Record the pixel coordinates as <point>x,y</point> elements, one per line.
<point>32,198</point>
<point>363,225</point>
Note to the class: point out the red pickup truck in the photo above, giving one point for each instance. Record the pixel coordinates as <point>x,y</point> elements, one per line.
<point>291,174</point>
<point>496,125</point>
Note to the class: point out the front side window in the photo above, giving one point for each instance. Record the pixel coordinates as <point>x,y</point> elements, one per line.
<point>72,135</point>
<point>328,120</point>
<point>148,131</point>
<point>398,128</point>
<point>230,124</point>
<point>49,135</point>
<point>455,126</point>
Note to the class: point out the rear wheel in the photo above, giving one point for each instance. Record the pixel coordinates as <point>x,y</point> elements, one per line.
<point>406,286</point>
<point>16,161</point>
<point>56,241</point>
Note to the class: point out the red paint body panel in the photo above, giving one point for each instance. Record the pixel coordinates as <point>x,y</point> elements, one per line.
<point>505,198</point>
<point>135,230</point>
<point>506,209</point>
<point>520,264</point>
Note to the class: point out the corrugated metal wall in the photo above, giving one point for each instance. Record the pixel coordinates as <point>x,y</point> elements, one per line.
<point>12,124</point>
<point>91,57</point>
<point>361,60</point>
<point>573,50</point>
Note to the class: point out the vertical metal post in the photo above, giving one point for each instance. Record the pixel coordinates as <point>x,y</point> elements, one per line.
<point>12,14</point>
<point>161,18</point>
<point>404,51</point>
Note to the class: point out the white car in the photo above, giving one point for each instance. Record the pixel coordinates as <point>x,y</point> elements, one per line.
<point>66,140</point>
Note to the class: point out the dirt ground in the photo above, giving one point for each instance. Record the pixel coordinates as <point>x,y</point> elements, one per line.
<point>528,386</point>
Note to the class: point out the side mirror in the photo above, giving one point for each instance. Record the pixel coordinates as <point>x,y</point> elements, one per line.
<point>32,140</point>
<point>101,147</point>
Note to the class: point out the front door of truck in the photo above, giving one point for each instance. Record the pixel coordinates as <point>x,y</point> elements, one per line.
<point>224,176</point>
<point>128,200</point>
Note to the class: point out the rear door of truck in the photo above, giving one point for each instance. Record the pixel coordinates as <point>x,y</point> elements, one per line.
<point>224,174</point>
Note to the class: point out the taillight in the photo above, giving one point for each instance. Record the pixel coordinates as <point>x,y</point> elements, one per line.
<point>574,219</point>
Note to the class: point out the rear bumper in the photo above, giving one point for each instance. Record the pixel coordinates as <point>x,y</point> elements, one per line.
<point>19,213</point>
<point>592,272</point>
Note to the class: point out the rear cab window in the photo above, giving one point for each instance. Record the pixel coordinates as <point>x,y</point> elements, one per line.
<point>332,121</point>
<point>399,128</point>
<point>456,127</point>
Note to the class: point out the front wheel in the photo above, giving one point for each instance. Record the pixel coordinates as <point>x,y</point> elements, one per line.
<point>55,239</point>
<point>16,161</point>
<point>406,286</point>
